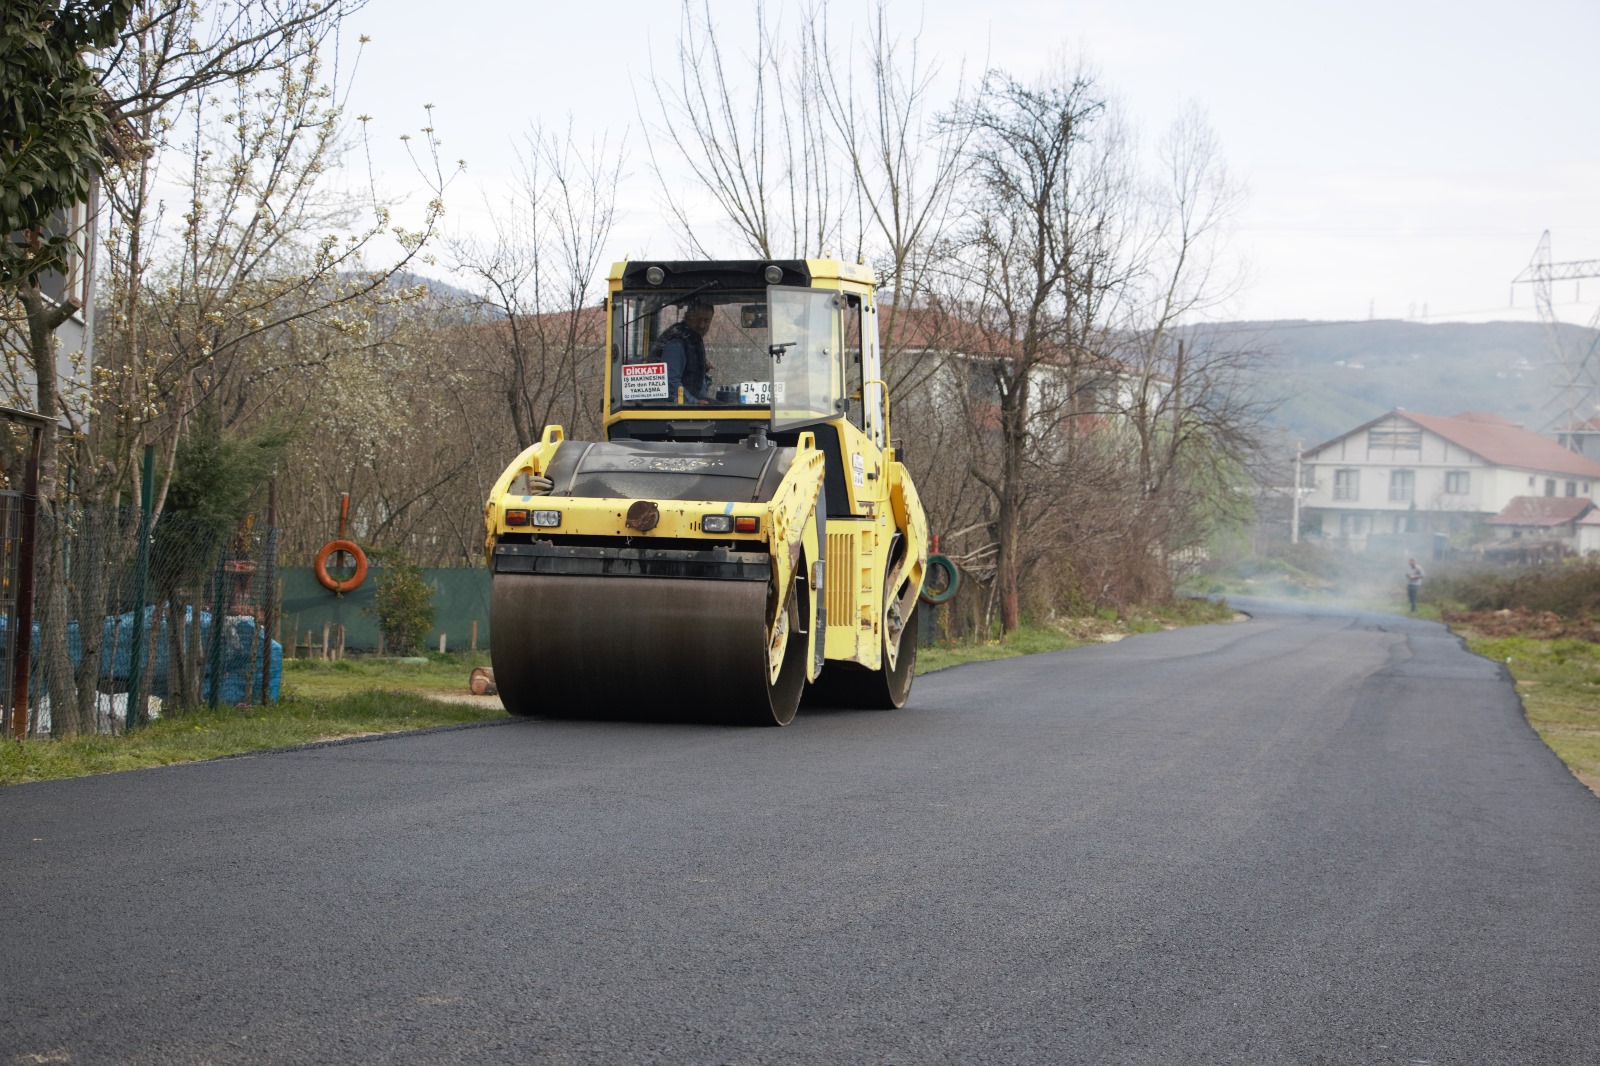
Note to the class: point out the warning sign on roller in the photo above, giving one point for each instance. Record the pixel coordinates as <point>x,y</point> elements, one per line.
<point>644,381</point>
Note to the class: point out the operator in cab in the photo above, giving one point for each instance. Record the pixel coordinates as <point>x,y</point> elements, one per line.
<point>682,346</point>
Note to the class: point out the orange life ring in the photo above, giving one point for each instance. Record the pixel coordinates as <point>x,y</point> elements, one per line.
<point>333,584</point>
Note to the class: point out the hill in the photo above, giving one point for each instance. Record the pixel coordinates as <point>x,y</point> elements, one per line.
<point>1333,376</point>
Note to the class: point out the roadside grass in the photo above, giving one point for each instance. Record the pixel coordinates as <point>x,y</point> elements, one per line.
<point>1026,640</point>
<point>1559,682</point>
<point>326,700</point>
<point>322,678</point>
<point>326,703</point>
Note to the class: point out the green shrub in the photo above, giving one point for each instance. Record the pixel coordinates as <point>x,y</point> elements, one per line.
<point>1571,591</point>
<point>402,604</point>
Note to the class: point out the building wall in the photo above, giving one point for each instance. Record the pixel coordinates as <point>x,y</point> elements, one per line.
<point>1376,454</point>
<point>1431,501</point>
<point>1588,539</point>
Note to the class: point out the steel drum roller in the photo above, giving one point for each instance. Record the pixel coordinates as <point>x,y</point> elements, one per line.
<point>635,647</point>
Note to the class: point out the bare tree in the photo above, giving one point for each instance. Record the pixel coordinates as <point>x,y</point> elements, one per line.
<point>1035,271</point>
<point>175,48</point>
<point>536,283</point>
<point>1191,406</point>
<point>756,144</point>
<point>903,169</point>
<point>403,424</point>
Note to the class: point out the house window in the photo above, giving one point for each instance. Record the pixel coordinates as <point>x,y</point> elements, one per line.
<point>1549,486</point>
<point>1458,482</point>
<point>1572,488</point>
<point>1354,524</point>
<point>1308,476</point>
<point>1408,439</point>
<point>1531,481</point>
<point>1402,485</point>
<point>1347,484</point>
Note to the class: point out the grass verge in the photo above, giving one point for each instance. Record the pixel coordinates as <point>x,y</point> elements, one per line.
<point>1559,682</point>
<point>325,705</point>
<point>324,679</point>
<point>355,697</point>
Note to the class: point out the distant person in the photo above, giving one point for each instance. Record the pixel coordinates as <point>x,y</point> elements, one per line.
<point>682,346</point>
<point>1413,582</point>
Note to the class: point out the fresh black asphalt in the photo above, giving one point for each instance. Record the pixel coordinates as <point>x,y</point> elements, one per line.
<point>1306,838</point>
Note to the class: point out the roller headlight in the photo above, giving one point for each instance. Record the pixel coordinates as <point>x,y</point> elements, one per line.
<point>716,523</point>
<point>547,519</point>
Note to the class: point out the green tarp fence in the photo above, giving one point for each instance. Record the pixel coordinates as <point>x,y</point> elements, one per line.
<point>460,598</point>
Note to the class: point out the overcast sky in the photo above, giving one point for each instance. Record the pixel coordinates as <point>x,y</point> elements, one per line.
<point>1401,157</point>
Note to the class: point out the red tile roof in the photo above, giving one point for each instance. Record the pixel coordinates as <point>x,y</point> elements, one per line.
<point>1502,443</point>
<point>1542,511</point>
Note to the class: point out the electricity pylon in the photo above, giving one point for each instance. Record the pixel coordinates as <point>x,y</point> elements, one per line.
<point>1577,397</point>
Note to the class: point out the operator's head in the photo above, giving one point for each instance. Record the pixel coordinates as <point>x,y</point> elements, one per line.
<point>698,316</point>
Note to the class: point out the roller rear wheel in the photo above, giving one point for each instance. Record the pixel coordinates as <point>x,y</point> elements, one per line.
<point>852,686</point>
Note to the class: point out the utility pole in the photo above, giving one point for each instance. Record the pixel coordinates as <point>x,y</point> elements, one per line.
<point>1294,495</point>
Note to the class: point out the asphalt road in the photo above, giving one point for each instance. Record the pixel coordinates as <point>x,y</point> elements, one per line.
<point>1304,838</point>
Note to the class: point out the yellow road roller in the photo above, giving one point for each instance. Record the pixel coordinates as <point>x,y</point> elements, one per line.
<point>744,539</point>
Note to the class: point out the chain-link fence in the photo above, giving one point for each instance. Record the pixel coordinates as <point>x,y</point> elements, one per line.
<point>160,618</point>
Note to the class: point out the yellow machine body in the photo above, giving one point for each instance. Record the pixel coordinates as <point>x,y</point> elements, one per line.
<point>732,547</point>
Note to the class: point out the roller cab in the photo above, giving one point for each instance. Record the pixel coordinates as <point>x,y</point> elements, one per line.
<point>743,539</point>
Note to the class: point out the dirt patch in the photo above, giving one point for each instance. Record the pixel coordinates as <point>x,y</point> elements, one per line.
<point>457,696</point>
<point>1522,622</point>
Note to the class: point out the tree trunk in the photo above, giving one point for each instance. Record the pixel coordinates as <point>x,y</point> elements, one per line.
<point>1014,441</point>
<point>66,715</point>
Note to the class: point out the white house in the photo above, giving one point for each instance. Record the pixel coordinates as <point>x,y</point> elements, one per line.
<point>1413,475</point>
<point>1589,533</point>
<point>74,338</point>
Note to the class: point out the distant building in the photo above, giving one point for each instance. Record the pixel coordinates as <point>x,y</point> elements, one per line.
<point>1589,533</point>
<point>74,285</point>
<point>1547,525</point>
<point>1581,437</point>
<point>1405,478</point>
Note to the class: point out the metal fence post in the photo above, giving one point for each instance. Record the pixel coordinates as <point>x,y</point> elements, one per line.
<point>141,579</point>
<point>271,586</point>
<point>219,595</point>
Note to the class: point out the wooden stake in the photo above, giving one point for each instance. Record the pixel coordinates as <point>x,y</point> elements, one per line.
<point>327,628</point>
<point>441,643</point>
<point>474,634</point>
